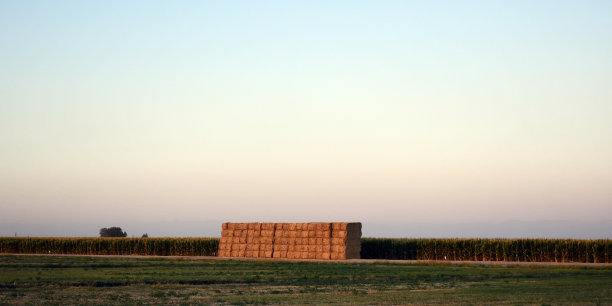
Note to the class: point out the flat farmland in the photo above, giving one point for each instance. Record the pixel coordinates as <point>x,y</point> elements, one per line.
<point>62,280</point>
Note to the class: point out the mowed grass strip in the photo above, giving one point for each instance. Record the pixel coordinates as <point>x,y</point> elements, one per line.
<point>87,280</point>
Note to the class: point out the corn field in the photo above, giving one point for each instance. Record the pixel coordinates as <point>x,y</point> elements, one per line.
<point>111,246</point>
<point>529,250</point>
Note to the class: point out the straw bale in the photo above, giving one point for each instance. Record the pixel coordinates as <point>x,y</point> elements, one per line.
<point>239,226</point>
<point>354,227</point>
<point>323,234</point>
<point>312,226</point>
<point>339,234</point>
<point>237,233</point>
<point>292,226</point>
<point>338,248</point>
<point>336,226</point>
<point>318,248</point>
<point>323,255</point>
<point>353,243</point>
<point>311,241</point>
<point>227,233</point>
<point>266,226</point>
<point>254,226</point>
<point>311,255</point>
<point>312,248</point>
<point>304,234</point>
<point>337,241</point>
<point>326,226</point>
<point>242,240</point>
<point>337,256</point>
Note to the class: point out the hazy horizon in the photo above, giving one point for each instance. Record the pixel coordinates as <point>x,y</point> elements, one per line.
<point>212,228</point>
<point>398,112</point>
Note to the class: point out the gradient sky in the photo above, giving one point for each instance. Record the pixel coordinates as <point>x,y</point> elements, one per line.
<point>373,111</point>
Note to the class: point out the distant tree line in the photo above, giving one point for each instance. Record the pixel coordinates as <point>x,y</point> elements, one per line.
<point>112,232</point>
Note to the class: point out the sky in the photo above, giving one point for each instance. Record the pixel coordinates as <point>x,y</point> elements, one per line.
<point>392,113</point>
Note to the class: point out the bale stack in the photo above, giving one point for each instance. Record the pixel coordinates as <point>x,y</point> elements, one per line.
<point>291,240</point>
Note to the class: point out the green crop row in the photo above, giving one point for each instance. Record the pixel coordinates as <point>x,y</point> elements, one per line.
<point>529,250</point>
<point>111,246</point>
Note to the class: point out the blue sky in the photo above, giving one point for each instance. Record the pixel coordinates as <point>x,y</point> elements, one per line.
<point>374,111</point>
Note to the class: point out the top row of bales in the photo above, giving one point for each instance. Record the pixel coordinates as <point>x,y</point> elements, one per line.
<point>319,226</point>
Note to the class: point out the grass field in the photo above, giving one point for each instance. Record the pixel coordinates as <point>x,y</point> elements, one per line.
<point>97,280</point>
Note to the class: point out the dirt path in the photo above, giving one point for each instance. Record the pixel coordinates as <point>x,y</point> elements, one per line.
<point>398,261</point>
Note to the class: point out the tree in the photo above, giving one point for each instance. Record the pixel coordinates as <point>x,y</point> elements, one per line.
<point>145,235</point>
<point>112,232</point>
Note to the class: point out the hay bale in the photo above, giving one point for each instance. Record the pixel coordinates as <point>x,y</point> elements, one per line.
<point>323,255</point>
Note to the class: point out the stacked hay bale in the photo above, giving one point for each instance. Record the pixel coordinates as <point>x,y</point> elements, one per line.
<point>291,240</point>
